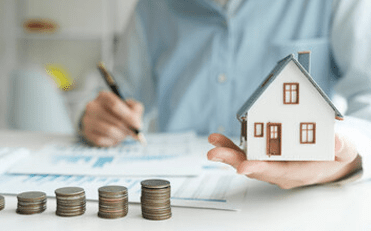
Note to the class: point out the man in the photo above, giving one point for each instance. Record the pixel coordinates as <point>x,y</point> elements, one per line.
<point>196,62</point>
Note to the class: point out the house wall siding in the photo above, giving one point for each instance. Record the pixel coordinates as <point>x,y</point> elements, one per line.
<point>269,108</point>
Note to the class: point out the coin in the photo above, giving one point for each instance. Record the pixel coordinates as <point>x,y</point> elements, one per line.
<point>69,191</point>
<point>155,183</point>
<point>71,201</point>
<point>31,196</point>
<point>112,190</point>
<point>31,202</point>
<point>2,202</point>
<point>113,201</point>
<point>155,199</point>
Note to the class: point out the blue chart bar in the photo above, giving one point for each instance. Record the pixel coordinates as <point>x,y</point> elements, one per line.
<point>112,181</point>
<point>41,177</point>
<point>102,161</point>
<point>66,178</point>
<point>30,177</point>
<point>77,178</point>
<point>53,178</point>
<point>73,159</point>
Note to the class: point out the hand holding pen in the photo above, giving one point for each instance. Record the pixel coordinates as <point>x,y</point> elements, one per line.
<point>109,118</point>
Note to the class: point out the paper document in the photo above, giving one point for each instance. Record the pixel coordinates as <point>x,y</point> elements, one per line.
<point>179,158</point>
<point>10,156</point>
<point>165,155</point>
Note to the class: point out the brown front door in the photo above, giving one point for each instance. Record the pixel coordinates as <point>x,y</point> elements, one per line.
<point>273,139</point>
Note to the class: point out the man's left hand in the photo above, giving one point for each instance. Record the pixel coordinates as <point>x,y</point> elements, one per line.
<point>288,174</point>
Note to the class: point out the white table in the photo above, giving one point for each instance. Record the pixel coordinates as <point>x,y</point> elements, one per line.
<point>266,207</point>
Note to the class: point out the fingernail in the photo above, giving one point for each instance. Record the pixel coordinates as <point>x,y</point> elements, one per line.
<point>211,140</point>
<point>217,160</point>
<point>244,173</point>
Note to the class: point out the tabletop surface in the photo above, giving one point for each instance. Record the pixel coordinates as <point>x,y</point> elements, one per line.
<point>265,206</point>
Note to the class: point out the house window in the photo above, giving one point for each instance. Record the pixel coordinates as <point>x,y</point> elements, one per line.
<point>307,133</point>
<point>258,129</point>
<point>291,93</point>
<point>274,132</point>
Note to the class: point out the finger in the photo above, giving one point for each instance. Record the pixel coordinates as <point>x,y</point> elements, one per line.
<point>99,140</point>
<point>113,121</point>
<point>286,174</point>
<point>220,140</point>
<point>119,109</point>
<point>96,111</point>
<point>252,167</point>
<point>105,129</point>
<point>135,106</point>
<point>227,156</point>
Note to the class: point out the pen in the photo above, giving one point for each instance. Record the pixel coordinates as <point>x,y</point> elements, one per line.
<point>112,84</point>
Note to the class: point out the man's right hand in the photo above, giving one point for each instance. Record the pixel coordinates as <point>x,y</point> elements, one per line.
<point>108,119</point>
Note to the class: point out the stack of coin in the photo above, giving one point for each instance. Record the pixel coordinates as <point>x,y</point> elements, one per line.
<point>2,202</point>
<point>31,202</point>
<point>155,199</point>
<point>70,201</point>
<point>113,201</point>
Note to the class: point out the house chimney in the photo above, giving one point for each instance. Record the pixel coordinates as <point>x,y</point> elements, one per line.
<point>304,60</point>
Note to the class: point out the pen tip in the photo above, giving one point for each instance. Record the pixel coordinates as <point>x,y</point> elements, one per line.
<point>142,139</point>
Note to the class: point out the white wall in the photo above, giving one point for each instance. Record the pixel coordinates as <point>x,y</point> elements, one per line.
<point>2,56</point>
<point>7,53</point>
<point>86,29</point>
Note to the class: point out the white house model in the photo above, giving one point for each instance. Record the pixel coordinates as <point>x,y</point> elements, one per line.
<point>289,117</point>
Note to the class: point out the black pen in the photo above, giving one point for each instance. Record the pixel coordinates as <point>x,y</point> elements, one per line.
<point>112,84</point>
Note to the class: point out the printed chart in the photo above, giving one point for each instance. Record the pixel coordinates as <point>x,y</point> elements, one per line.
<point>165,155</point>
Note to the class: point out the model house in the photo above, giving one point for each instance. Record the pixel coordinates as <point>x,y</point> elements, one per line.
<point>289,117</point>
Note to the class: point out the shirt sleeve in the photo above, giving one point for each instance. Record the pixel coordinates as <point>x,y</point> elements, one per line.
<point>351,45</point>
<point>133,69</point>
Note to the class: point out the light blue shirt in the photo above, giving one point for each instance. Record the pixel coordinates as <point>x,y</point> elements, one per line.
<point>196,62</point>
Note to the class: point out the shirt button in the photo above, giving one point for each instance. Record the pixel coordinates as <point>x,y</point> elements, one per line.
<point>222,78</point>
<point>221,129</point>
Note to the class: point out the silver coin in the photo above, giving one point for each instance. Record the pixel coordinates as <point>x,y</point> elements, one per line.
<point>29,212</point>
<point>68,203</point>
<point>71,201</point>
<point>31,196</point>
<point>112,208</point>
<point>62,214</point>
<point>69,191</point>
<point>155,183</point>
<point>2,202</point>
<point>111,215</point>
<point>112,189</point>
<point>164,189</point>
<point>155,199</point>
<point>115,200</point>
<point>31,207</point>
<point>150,217</point>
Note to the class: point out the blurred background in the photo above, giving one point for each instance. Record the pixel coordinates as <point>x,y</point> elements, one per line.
<point>47,49</point>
